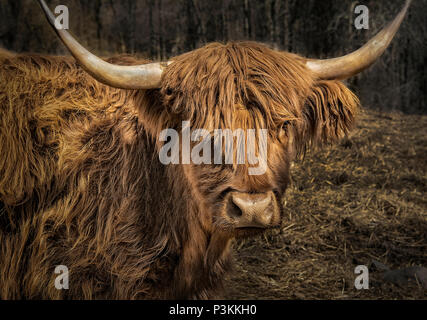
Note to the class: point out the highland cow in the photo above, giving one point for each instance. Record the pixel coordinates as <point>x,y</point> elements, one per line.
<point>81,183</point>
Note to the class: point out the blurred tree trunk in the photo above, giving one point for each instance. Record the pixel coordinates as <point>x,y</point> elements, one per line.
<point>130,35</point>
<point>151,27</point>
<point>160,42</point>
<point>247,19</point>
<point>98,20</point>
<point>267,34</point>
<point>191,34</point>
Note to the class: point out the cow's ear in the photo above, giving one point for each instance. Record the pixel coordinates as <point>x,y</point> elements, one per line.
<point>329,112</point>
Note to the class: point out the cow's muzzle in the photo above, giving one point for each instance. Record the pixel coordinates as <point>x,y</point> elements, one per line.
<point>252,210</point>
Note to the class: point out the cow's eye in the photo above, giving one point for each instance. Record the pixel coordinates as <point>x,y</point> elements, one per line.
<point>285,125</point>
<point>283,128</point>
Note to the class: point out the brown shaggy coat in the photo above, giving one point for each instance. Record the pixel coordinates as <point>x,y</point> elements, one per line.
<point>81,184</point>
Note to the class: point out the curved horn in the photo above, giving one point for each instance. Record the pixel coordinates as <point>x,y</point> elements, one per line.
<point>357,61</point>
<point>146,76</point>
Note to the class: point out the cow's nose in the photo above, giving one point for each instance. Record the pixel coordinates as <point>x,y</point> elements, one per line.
<point>251,210</point>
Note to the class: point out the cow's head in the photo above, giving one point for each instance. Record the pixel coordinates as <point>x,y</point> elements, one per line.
<point>244,86</point>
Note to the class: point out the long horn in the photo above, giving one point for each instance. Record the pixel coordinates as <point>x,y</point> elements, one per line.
<point>146,76</point>
<point>357,61</point>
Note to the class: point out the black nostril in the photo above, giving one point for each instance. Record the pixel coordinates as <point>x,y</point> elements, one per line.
<point>234,211</point>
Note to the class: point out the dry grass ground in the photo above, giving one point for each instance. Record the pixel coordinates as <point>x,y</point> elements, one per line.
<point>350,204</point>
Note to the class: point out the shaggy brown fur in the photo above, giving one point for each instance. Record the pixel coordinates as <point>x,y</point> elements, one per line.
<point>81,184</point>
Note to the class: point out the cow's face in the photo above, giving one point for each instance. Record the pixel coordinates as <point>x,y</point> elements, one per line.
<point>238,203</point>
<point>248,87</point>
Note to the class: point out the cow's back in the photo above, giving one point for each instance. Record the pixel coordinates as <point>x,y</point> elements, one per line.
<point>41,99</point>
<point>30,127</point>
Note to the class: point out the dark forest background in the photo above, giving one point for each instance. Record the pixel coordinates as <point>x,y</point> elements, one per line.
<point>159,29</point>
